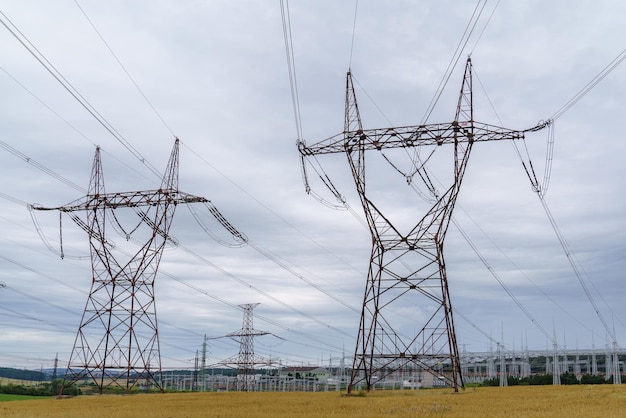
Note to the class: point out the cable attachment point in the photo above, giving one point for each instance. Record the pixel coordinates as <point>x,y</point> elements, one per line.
<point>540,125</point>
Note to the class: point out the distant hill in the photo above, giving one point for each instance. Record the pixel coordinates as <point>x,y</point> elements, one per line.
<point>21,374</point>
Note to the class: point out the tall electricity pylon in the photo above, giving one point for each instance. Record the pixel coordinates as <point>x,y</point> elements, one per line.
<point>406,320</point>
<point>117,344</point>
<point>246,360</point>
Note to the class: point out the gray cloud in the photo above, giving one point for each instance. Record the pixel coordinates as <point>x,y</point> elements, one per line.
<point>216,72</point>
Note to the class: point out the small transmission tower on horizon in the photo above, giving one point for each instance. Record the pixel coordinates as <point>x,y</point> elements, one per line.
<point>406,319</point>
<point>246,360</point>
<point>117,343</point>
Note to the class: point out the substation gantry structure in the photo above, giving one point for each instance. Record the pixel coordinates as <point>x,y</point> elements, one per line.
<point>246,360</point>
<point>407,271</point>
<point>117,343</point>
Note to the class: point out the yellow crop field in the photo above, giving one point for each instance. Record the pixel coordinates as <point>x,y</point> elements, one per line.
<point>517,401</point>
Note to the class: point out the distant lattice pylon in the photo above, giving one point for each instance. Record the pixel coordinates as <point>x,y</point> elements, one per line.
<point>247,360</point>
<point>117,344</point>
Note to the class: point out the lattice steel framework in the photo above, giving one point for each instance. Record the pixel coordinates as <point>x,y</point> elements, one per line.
<point>117,344</point>
<point>407,267</point>
<point>247,359</point>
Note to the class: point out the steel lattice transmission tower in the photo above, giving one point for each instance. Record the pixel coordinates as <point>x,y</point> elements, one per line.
<point>406,320</point>
<point>117,344</point>
<point>247,359</point>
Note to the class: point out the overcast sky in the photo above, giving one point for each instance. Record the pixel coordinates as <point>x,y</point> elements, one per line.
<point>216,72</point>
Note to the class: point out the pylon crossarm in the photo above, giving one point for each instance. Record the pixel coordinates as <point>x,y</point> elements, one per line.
<point>410,136</point>
<point>246,333</point>
<point>127,199</point>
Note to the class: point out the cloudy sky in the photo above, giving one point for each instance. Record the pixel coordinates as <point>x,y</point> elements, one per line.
<point>215,75</point>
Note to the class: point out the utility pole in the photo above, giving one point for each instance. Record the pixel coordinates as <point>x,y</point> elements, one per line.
<point>407,270</point>
<point>503,377</point>
<point>556,370</point>
<point>56,365</point>
<point>203,365</point>
<point>617,375</point>
<point>194,380</point>
<point>117,343</point>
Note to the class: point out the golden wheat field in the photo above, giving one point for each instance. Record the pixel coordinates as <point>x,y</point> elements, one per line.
<point>517,401</point>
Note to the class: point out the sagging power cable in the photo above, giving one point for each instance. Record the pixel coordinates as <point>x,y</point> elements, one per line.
<point>540,189</point>
<point>577,270</point>
<point>124,69</point>
<point>58,76</point>
<point>589,86</point>
<point>458,52</point>
<point>503,285</point>
<point>72,91</point>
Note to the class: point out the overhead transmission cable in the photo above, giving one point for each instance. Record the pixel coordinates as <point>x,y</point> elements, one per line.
<point>212,208</point>
<point>471,244</point>
<point>356,7</point>
<point>51,304</point>
<point>502,284</point>
<point>291,65</point>
<point>589,86</point>
<point>541,188</point>
<point>456,56</point>
<point>295,101</point>
<point>417,164</point>
<point>561,238</point>
<point>577,270</point>
<point>270,210</point>
<point>543,292</point>
<point>53,324</point>
<point>58,76</point>
<point>59,282</point>
<point>41,167</point>
<point>14,199</point>
<point>234,277</point>
<point>458,52</point>
<point>453,62</point>
<point>68,123</point>
<point>183,282</point>
<point>275,258</point>
<point>484,261</point>
<point>293,87</point>
<point>528,168</point>
<point>259,291</point>
<point>480,35</point>
<point>124,68</point>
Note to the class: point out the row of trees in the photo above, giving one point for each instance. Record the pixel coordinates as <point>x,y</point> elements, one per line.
<point>43,389</point>
<point>546,379</point>
<point>21,374</point>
